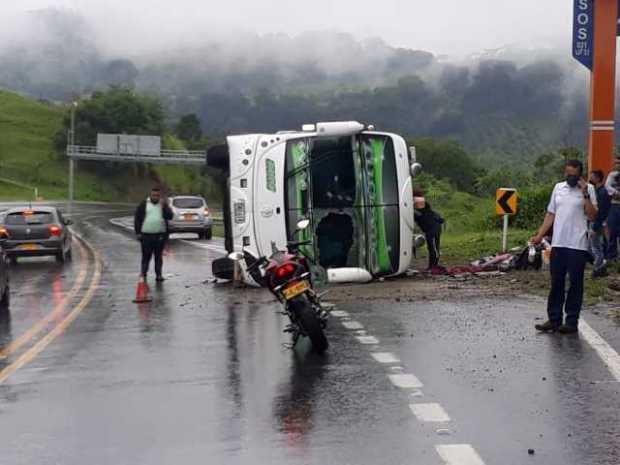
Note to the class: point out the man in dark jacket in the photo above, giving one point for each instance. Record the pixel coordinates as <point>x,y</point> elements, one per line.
<point>430,222</point>
<point>597,228</point>
<point>151,227</point>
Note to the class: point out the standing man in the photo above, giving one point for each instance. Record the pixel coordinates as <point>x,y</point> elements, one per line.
<point>430,222</point>
<point>151,227</point>
<point>597,233</point>
<point>572,204</point>
<point>613,219</point>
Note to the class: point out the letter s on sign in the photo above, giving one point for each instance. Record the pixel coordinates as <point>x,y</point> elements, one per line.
<point>582,34</point>
<point>583,4</point>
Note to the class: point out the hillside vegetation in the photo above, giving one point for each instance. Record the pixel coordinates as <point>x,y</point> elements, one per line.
<point>28,156</point>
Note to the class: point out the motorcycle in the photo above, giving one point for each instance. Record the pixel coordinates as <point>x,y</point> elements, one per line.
<point>288,276</point>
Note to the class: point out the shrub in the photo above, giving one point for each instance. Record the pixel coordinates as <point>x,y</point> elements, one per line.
<point>533,203</point>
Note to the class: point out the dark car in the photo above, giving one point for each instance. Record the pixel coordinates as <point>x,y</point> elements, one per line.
<point>4,273</point>
<point>36,232</point>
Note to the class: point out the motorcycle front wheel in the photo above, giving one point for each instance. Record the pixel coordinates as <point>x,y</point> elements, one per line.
<point>310,323</point>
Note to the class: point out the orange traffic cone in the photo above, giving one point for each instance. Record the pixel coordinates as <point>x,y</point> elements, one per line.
<point>142,292</point>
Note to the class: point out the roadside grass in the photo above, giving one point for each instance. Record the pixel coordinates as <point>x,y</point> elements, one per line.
<point>473,231</point>
<point>28,156</point>
<point>463,247</point>
<point>218,230</point>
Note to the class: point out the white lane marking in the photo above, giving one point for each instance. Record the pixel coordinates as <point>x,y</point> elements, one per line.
<point>339,313</point>
<point>405,381</point>
<point>385,357</point>
<point>122,224</point>
<point>417,393</point>
<point>214,248</point>
<point>367,340</point>
<point>431,412</point>
<point>352,325</point>
<point>609,356</point>
<point>458,454</point>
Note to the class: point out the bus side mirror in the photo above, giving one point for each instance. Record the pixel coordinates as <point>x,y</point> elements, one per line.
<point>416,169</point>
<point>413,156</point>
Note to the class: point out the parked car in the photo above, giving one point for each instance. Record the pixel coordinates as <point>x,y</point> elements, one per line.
<point>35,232</point>
<point>5,293</point>
<point>191,215</point>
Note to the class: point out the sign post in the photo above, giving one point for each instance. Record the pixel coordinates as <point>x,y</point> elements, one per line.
<point>594,46</point>
<point>505,206</point>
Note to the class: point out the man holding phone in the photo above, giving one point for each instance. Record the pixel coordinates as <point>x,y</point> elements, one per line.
<point>151,227</point>
<point>573,203</point>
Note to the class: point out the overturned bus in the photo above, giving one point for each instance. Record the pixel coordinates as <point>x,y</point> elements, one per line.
<point>354,184</point>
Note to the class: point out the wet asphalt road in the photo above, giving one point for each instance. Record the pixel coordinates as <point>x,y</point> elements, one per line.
<point>200,375</point>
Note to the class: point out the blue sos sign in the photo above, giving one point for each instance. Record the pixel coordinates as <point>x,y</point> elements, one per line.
<point>583,32</point>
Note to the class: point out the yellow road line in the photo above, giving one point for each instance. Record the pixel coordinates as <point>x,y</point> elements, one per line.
<point>60,328</point>
<point>56,311</point>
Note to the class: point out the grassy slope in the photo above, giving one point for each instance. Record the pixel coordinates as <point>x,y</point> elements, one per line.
<point>27,156</point>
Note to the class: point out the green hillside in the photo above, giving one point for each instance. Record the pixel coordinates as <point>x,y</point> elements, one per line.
<point>27,157</point>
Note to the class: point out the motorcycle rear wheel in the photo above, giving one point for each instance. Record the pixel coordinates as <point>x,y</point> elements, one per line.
<point>310,323</point>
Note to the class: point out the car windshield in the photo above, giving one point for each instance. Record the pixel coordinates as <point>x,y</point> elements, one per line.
<point>26,218</point>
<point>188,203</point>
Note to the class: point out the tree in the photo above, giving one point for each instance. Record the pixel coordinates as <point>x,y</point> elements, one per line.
<point>448,160</point>
<point>549,166</point>
<point>120,73</point>
<point>490,181</point>
<point>119,110</point>
<point>188,128</point>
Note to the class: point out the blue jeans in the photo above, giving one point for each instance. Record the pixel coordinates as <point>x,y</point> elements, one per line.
<point>564,262</point>
<point>597,247</point>
<point>613,223</point>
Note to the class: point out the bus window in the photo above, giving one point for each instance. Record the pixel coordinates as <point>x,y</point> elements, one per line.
<point>297,191</point>
<point>334,193</point>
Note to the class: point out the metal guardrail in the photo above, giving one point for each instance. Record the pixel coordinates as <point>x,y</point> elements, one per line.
<point>86,152</point>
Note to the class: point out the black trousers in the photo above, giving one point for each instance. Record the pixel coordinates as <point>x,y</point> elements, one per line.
<point>433,243</point>
<point>564,262</point>
<point>153,245</point>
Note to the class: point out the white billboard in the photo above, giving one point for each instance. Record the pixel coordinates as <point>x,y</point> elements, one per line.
<point>129,144</point>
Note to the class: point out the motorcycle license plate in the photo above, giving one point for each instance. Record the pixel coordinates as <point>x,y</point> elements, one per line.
<point>294,290</point>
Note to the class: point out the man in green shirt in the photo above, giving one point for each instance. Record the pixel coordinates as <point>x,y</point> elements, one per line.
<point>151,227</point>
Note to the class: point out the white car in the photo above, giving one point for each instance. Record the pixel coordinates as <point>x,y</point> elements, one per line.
<point>191,215</point>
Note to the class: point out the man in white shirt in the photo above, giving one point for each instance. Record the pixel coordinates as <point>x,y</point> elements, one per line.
<point>613,219</point>
<point>572,205</point>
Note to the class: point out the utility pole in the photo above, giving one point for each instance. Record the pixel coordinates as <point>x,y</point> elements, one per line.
<point>74,106</point>
<point>594,46</point>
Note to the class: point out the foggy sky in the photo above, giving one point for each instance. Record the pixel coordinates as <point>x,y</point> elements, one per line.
<point>452,27</point>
